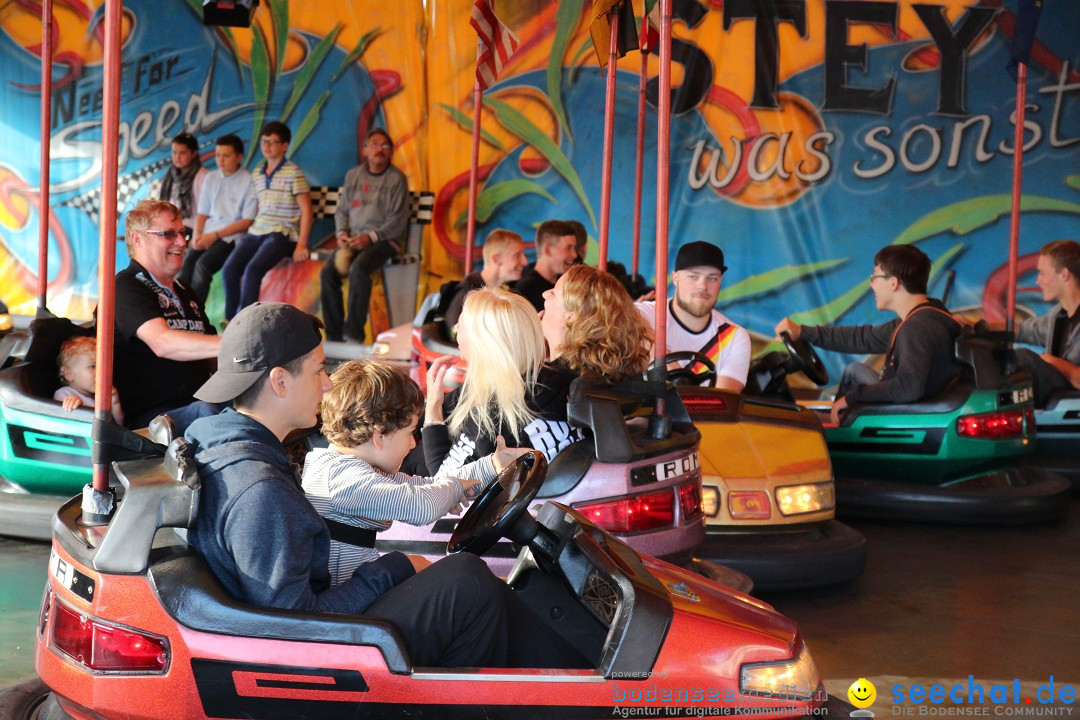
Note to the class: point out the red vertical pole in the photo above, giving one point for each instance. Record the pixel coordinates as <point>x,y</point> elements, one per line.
<point>609,139</point>
<point>640,157</point>
<point>470,233</point>
<point>663,169</point>
<point>44,211</point>
<point>1018,171</point>
<point>110,146</point>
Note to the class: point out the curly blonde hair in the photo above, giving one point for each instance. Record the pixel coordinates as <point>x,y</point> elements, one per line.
<point>505,332</point>
<point>368,397</point>
<point>607,340</point>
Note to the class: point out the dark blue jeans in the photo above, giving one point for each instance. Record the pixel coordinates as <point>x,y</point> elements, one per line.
<point>251,259</point>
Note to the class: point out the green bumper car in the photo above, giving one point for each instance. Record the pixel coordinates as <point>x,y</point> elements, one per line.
<point>958,458</point>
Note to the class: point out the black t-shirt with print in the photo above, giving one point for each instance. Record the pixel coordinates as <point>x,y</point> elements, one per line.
<point>144,380</point>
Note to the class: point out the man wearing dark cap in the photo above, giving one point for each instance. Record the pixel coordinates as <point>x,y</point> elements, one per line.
<point>266,544</point>
<point>693,322</point>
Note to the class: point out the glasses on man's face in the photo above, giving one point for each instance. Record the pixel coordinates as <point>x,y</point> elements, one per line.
<point>170,234</point>
<point>270,141</point>
<point>882,275</point>
<point>379,145</point>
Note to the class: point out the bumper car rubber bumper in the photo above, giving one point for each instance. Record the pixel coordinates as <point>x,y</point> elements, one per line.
<point>1017,496</point>
<point>825,553</point>
<point>28,516</point>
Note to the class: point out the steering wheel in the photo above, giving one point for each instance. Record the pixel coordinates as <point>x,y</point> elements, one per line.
<point>684,375</point>
<point>502,508</point>
<point>803,358</point>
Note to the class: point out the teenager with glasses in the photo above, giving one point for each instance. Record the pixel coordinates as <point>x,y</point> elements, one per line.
<point>163,342</point>
<point>282,225</point>
<point>920,358</point>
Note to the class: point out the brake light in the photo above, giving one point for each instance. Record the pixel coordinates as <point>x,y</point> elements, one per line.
<point>636,513</point>
<point>749,505</point>
<point>104,647</point>
<point>1001,425</point>
<point>690,500</point>
<point>703,403</point>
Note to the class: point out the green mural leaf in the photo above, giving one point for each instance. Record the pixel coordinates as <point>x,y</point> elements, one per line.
<point>493,196</point>
<point>260,77</point>
<point>308,70</point>
<point>968,215</point>
<point>466,122</point>
<point>773,280</point>
<point>309,123</point>
<point>517,123</point>
<point>360,49</point>
<point>566,20</point>
<point>1073,181</point>
<point>279,10</point>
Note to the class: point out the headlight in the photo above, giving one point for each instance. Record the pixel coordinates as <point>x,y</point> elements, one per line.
<point>710,500</point>
<point>799,499</point>
<point>787,679</point>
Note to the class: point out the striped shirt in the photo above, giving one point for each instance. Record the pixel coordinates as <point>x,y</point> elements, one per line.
<point>349,490</point>
<point>276,195</point>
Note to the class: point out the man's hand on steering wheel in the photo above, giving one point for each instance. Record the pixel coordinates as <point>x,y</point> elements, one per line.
<point>787,325</point>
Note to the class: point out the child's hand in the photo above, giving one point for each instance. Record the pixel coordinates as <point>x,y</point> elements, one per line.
<point>433,410</point>
<point>503,455</point>
<point>117,410</point>
<point>71,402</point>
<point>471,489</point>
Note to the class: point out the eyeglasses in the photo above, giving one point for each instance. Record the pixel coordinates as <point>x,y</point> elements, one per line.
<point>270,141</point>
<point>379,145</point>
<point>170,234</point>
<point>882,275</point>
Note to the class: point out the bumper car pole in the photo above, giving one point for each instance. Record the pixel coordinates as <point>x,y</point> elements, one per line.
<point>99,500</point>
<point>609,137</point>
<point>660,423</point>
<point>44,210</point>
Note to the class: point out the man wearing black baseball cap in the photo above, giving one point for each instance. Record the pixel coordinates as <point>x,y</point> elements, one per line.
<point>693,322</point>
<point>268,546</point>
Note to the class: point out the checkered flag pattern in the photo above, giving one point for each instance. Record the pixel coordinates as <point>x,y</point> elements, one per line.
<point>90,202</point>
<point>421,207</point>
<point>324,200</point>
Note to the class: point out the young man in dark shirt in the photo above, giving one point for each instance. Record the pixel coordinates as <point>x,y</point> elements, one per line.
<point>919,345</point>
<point>1058,331</point>
<point>556,252</point>
<point>504,259</point>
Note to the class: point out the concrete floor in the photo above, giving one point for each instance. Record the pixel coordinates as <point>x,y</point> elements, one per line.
<point>935,605</point>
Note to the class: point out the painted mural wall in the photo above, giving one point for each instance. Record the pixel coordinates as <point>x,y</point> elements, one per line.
<point>806,134</point>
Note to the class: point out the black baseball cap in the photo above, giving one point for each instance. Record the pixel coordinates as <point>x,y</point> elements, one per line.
<point>700,253</point>
<point>261,337</point>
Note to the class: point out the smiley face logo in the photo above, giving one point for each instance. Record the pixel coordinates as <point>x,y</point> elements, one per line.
<point>862,693</point>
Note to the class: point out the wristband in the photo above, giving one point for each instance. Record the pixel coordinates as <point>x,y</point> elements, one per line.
<point>430,423</point>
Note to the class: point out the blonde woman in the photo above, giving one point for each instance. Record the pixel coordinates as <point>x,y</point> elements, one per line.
<point>508,391</point>
<point>593,329</point>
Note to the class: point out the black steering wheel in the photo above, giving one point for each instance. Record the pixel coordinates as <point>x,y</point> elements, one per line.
<point>684,375</point>
<point>803,358</point>
<point>502,508</point>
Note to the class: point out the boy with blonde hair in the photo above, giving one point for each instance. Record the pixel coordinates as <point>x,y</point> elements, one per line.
<point>370,417</point>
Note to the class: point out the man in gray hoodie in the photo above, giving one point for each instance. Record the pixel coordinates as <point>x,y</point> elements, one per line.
<point>266,544</point>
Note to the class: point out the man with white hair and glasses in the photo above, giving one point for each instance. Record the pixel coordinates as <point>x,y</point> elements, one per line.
<point>164,345</point>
